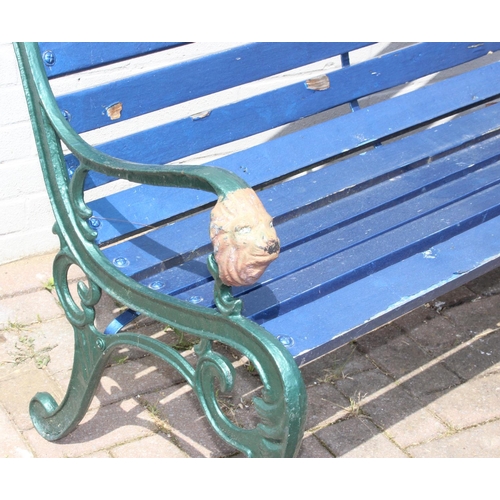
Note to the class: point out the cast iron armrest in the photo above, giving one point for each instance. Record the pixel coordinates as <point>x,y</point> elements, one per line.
<point>241,230</point>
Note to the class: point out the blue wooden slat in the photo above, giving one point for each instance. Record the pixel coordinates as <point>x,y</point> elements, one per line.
<point>362,239</point>
<point>390,273</point>
<point>260,164</point>
<point>72,57</point>
<point>409,196</point>
<point>334,228</point>
<point>332,273</point>
<point>365,127</point>
<point>387,294</point>
<point>153,251</point>
<point>449,167</point>
<point>383,296</point>
<point>464,234</point>
<point>141,208</point>
<point>184,137</point>
<point>188,80</point>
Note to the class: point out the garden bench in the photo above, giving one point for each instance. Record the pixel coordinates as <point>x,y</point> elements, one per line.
<point>379,164</point>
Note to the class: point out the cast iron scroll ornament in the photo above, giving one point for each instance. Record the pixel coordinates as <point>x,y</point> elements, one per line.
<point>282,404</point>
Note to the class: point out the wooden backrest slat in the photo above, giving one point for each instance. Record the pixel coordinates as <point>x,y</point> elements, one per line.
<point>305,193</point>
<point>171,141</point>
<point>164,87</point>
<point>64,58</point>
<point>297,151</point>
<point>144,93</point>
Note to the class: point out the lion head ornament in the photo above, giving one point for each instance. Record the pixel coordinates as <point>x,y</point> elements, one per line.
<point>243,236</point>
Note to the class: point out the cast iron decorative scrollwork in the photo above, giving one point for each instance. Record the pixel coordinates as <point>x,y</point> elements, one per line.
<point>281,406</point>
<point>89,295</point>
<point>223,298</point>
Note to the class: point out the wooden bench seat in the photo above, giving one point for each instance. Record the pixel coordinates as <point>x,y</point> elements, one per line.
<point>379,207</point>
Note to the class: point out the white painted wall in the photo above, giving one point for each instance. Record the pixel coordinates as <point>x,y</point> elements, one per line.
<point>26,218</point>
<point>25,215</point>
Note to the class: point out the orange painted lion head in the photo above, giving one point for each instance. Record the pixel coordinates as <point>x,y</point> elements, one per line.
<point>243,236</point>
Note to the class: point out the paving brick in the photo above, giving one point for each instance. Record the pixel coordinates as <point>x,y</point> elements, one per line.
<point>416,317</point>
<point>98,454</point>
<point>17,389</point>
<point>472,403</point>
<point>411,366</point>
<point>358,438</point>
<point>56,335</point>
<point>342,362</point>
<point>379,337</point>
<point>391,408</point>
<point>29,275</point>
<point>427,381</point>
<point>25,275</point>
<point>312,448</point>
<point>478,442</point>
<point>156,446</point>
<point>438,336</point>
<point>128,379</point>
<point>325,405</point>
<point>488,347</point>
<point>399,356</point>
<point>488,284</point>
<point>427,384</point>
<point>454,298</point>
<point>404,421</point>
<point>12,444</point>
<point>28,309</point>
<point>179,410</point>
<point>477,316</point>
<point>8,340</point>
<point>99,430</point>
<point>477,358</point>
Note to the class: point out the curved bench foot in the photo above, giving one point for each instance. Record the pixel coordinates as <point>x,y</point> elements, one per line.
<point>55,421</point>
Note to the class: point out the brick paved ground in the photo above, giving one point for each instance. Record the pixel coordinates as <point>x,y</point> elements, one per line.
<point>426,385</point>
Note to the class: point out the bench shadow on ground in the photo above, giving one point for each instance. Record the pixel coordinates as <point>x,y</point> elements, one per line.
<point>381,392</point>
<point>405,384</point>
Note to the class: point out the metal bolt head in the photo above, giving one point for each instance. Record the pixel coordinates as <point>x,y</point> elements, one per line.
<point>286,340</point>
<point>94,223</point>
<point>195,299</point>
<point>121,262</point>
<point>156,285</point>
<point>49,58</point>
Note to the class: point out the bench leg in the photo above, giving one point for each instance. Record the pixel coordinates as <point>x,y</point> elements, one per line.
<point>55,421</point>
<point>281,406</point>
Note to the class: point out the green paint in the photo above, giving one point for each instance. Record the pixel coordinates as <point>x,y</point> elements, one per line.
<point>283,402</point>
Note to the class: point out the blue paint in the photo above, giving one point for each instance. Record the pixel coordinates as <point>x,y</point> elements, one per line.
<point>330,139</point>
<point>410,214</point>
<point>78,56</point>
